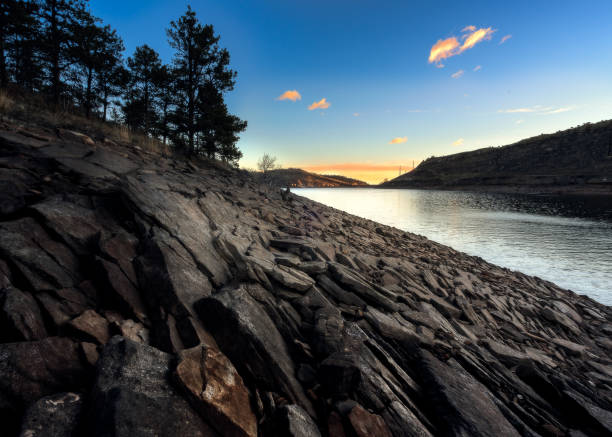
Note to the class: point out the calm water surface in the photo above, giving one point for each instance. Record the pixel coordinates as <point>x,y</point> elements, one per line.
<point>565,240</point>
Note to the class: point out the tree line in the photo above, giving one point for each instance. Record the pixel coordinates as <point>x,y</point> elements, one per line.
<point>58,49</point>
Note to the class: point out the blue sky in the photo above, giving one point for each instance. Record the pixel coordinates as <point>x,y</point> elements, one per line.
<point>370,61</point>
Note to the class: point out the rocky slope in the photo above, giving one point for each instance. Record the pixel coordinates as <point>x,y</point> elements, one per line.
<point>574,161</point>
<point>145,296</point>
<point>298,178</point>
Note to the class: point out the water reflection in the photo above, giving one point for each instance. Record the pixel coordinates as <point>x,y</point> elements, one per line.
<point>565,240</point>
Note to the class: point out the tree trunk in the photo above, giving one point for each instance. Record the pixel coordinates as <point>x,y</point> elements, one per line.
<point>88,96</point>
<point>3,73</point>
<point>55,55</point>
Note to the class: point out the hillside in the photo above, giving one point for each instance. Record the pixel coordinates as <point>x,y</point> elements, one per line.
<point>298,178</point>
<point>144,295</point>
<point>577,160</point>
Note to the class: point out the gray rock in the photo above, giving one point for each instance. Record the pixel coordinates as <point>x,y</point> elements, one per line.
<point>20,318</point>
<point>293,421</point>
<point>53,416</point>
<point>132,396</point>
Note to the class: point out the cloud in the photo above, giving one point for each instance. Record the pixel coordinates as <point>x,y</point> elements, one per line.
<point>398,140</point>
<point>538,109</point>
<point>504,39</point>
<point>356,114</point>
<point>559,110</point>
<point>292,95</point>
<point>457,74</point>
<point>459,142</point>
<point>321,104</point>
<point>445,48</point>
<point>475,37</point>
<point>478,67</point>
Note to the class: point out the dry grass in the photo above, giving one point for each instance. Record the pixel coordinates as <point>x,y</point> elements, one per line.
<point>34,111</point>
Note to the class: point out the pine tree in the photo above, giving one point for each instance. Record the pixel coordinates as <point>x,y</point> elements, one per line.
<point>198,60</point>
<point>19,35</point>
<point>61,20</point>
<point>140,104</point>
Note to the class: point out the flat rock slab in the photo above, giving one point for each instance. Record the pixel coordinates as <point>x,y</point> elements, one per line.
<point>463,405</point>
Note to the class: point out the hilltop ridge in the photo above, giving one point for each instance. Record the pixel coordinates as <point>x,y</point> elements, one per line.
<point>298,178</point>
<point>573,161</point>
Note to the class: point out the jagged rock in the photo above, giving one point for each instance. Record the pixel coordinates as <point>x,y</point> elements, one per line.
<point>53,416</point>
<point>366,424</point>
<point>31,370</point>
<point>92,326</point>
<point>247,335</point>
<point>20,318</point>
<point>561,319</point>
<point>338,373</point>
<point>292,278</point>
<point>122,290</point>
<point>601,420</point>
<point>293,421</point>
<point>132,396</point>
<point>63,304</point>
<point>216,390</point>
<point>569,346</point>
<point>464,406</point>
<point>133,331</point>
<point>90,352</point>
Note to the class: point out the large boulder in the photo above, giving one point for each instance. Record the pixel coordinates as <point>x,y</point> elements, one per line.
<point>215,389</point>
<point>132,396</point>
<point>245,332</point>
<point>20,318</point>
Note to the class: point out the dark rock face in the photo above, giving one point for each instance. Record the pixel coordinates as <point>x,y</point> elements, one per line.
<point>239,311</point>
<point>53,416</point>
<point>132,395</point>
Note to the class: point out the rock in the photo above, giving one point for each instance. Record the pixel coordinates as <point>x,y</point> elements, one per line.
<point>133,331</point>
<point>122,290</point>
<point>561,319</point>
<point>78,137</point>
<point>132,396</point>
<point>20,318</point>
<point>90,352</point>
<point>338,373</point>
<point>63,304</point>
<point>247,335</point>
<point>53,416</point>
<point>292,278</point>
<point>91,325</point>
<point>463,405</point>
<point>366,424</point>
<point>601,420</point>
<point>506,354</point>
<point>365,291</point>
<point>31,370</point>
<point>293,421</point>
<point>569,346</point>
<point>215,389</point>
<point>334,425</point>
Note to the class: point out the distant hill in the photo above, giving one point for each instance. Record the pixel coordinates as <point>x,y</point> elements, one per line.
<point>577,160</point>
<point>298,178</point>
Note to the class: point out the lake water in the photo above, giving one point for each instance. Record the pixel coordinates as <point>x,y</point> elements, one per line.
<point>565,240</point>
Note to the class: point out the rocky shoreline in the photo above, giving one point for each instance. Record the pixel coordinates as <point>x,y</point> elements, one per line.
<point>149,296</point>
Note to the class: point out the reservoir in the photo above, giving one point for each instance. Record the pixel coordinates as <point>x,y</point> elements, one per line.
<point>566,240</point>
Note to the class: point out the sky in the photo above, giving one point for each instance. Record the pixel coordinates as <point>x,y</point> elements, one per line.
<point>360,87</point>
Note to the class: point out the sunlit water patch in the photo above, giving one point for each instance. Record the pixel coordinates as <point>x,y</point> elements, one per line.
<point>565,240</point>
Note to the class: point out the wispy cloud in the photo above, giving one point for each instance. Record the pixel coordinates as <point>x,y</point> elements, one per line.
<point>478,67</point>
<point>398,140</point>
<point>457,74</point>
<point>445,48</point>
<point>458,142</point>
<point>356,114</point>
<point>292,95</point>
<point>321,104</point>
<point>475,37</point>
<point>538,109</point>
<point>504,39</point>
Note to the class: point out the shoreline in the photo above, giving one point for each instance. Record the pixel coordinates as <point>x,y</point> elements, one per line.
<point>135,275</point>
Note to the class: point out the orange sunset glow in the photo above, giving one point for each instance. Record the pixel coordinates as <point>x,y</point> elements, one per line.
<point>370,173</point>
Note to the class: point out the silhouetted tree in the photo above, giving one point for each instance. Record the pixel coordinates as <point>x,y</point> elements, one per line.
<point>164,85</point>
<point>61,21</point>
<point>198,60</point>
<point>139,107</point>
<point>19,35</point>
